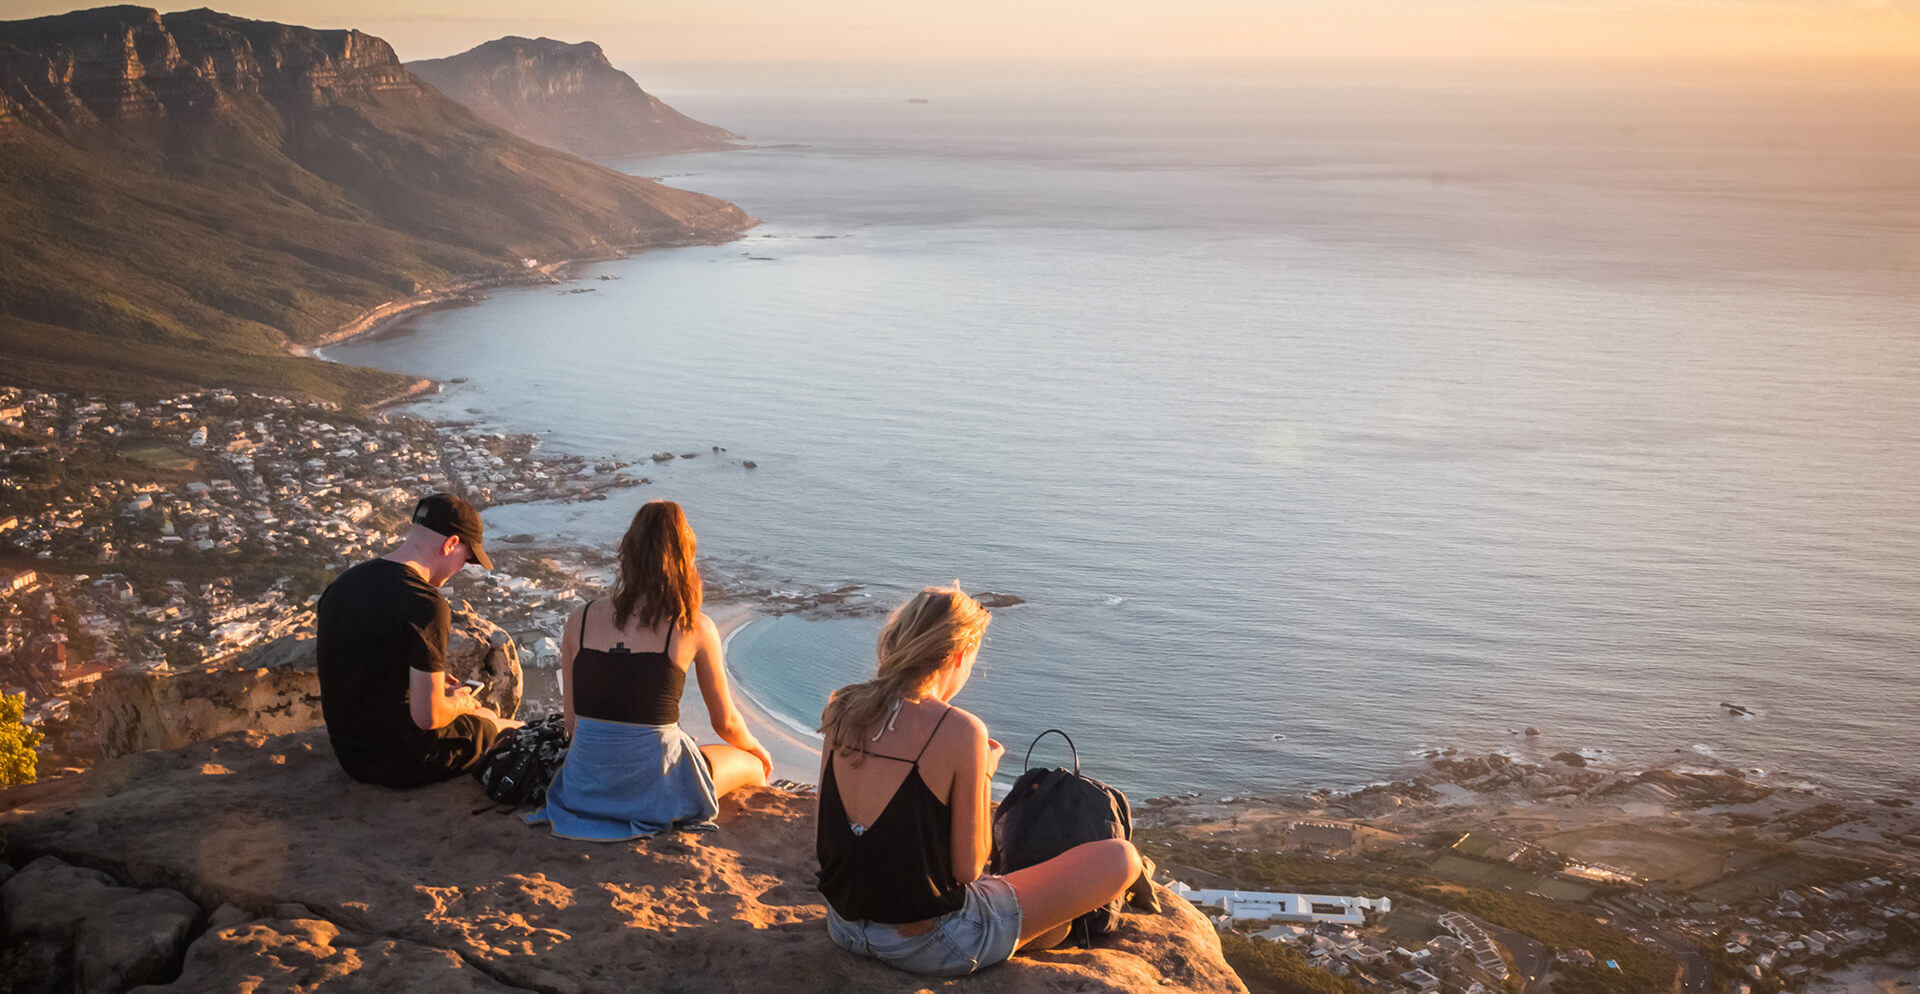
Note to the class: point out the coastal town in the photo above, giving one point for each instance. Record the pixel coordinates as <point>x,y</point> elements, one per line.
<point>1488,874</point>
<point>179,533</point>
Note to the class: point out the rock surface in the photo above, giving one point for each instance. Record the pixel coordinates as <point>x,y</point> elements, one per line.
<point>410,891</point>
<point>568,97</point>
<point>274,690</point>
<point>134,941</point>
<point>85,927</point>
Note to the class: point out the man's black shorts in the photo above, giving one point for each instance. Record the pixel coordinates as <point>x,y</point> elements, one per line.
<point>443,754</point>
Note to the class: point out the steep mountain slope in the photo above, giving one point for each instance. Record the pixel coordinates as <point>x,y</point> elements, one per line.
<point>566,96</point>
<point>184,196</point>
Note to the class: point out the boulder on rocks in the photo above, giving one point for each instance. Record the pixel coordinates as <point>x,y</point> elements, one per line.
<point>118,936</point>
<point>471,655</point>
<point>134,941</point>
<point>407,890</point>
<point>1570,758</point>
<point>49,899</point>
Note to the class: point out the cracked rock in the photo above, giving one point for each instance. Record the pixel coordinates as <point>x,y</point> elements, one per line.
<point>136,940</point>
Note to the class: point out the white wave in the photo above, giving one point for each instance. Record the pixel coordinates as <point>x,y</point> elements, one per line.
<point>794,725</point>
<point>798,727</point>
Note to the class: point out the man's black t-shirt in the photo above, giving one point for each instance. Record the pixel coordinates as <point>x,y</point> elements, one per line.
<point>375,622</point>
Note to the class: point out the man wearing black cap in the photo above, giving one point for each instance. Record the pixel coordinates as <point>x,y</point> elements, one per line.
<point>394,714</point>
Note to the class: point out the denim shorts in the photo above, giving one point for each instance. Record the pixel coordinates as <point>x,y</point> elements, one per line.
<point>983,932</point>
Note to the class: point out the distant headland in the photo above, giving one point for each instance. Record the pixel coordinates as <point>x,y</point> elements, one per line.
<point>567,97</point>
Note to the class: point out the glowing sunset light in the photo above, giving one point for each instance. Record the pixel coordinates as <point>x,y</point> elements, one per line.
<point>844,30</point>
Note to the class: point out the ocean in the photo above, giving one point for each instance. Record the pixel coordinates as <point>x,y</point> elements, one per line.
<point>1319,421</point>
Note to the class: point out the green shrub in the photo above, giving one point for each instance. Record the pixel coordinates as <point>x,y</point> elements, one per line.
<point>17,742</point>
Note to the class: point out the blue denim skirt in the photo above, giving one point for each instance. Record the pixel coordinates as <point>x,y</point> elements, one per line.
<point>624,781</point>
<point>983,932</point>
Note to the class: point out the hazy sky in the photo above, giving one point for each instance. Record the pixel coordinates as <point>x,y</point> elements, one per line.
<point>675,30</point>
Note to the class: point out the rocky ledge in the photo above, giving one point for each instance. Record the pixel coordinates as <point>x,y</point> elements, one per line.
<point>273,689</point>
<point>250,862</point>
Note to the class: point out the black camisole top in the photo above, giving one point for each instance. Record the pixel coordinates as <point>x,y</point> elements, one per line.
<point>618,684</point>
<point>900,869</point>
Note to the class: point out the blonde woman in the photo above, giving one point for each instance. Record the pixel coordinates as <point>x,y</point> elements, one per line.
<point>632,771</point>
<point>905,800</point>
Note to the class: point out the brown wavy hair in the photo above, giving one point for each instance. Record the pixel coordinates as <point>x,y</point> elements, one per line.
<point>657,580</point>
<point>919,639</point>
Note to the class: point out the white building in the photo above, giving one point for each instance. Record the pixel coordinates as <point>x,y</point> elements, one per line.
<point>1269,906</point>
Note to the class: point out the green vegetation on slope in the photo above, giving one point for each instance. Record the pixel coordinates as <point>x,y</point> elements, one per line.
<point>1272,968</point>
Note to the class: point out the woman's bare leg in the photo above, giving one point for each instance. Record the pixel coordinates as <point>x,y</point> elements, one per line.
<point>1054,893</point>
<point>733,768</point>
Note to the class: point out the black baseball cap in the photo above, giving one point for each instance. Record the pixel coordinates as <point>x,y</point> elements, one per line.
<point>454,517</point>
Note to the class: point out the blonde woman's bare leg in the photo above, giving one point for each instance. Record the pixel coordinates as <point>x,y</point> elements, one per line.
<point>1054,893</point>
<point>733,768</point>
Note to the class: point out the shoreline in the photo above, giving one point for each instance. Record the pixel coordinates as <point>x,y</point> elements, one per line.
<point>794,757</point>
<point>382,317</point>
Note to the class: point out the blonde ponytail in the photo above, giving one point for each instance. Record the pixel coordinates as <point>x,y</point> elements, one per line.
<point>920,637</point>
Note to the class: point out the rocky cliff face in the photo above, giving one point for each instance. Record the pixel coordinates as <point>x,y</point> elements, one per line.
<point>274,690</point>
<point>566,96</point>
<point>251,862</point>
<point>119,64</point>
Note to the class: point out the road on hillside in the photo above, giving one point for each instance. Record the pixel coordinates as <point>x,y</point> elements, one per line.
<point>1691,961</point>
<point>1529,954</point>
<point>1693,966</point>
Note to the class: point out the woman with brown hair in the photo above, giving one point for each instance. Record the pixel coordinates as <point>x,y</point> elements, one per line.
<point>631,770</point>
<point>905,801</point>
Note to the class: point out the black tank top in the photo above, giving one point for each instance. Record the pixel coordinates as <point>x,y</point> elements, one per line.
<point>900,869</point>
<point>618,684</point>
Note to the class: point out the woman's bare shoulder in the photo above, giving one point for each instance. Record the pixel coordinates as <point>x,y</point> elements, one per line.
<point>963,724</point>
<point>704,627</point>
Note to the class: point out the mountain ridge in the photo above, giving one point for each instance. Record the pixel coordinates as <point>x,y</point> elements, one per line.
<point>568,96</point>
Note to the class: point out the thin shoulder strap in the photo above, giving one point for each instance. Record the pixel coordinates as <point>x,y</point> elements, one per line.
<point>582,638</point>
<point>667,649</point>
<point>930,735</point>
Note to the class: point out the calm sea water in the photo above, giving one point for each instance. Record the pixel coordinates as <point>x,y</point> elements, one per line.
<point>1318,422</point>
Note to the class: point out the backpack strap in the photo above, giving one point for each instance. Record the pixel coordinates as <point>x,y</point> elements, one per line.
<point>1027,764</point>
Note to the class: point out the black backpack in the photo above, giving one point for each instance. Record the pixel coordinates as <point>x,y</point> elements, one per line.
<point>1049,812</point>
<point>516,771</point>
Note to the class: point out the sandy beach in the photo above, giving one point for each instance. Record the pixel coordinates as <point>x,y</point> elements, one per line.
<point>795,757</point>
